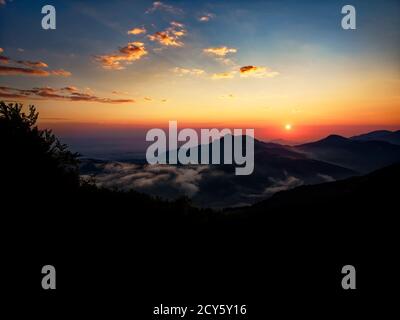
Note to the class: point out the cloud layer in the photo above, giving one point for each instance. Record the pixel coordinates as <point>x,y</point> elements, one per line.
<point>30,68</point>
<point>69,93</point>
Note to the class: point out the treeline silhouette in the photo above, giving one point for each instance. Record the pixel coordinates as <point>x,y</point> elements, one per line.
<point>37,167</point>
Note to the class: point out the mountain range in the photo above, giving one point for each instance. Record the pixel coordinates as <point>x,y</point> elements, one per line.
<point>359,154</point>
<point>380,135</point>
<point>277,168</point>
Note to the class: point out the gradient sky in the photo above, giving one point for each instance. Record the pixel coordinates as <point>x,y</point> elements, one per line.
<point>302,67</point>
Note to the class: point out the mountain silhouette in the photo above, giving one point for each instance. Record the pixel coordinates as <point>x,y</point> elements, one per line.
<point>276,168</point>
<point>380,135</point>
<point>360,156</point>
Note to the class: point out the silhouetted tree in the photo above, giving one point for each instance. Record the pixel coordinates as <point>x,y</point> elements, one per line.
<point>37,167</point>
<point>31,159</point>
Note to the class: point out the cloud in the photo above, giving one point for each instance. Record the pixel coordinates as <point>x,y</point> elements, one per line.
<point>61,72</point>
<point>33,68</point>
<point>206,17</point>
<point>184,71</point>
<point>2,2</point>
<point>289,182</point>
<point>136,31</point>
<point>7,71</point>
<point>219,51</point>
<point>326,177</point>
<point>70,93</point>
<point>246,71</point>
<point>116,92</point>
<point>160,6</point>
<point>162,180</point>
<point>257,72</point>
<point>33,64</point>
<point>131,52</point>
<point>70,89</point>
<point>223,75</point>
<point>170,36</point>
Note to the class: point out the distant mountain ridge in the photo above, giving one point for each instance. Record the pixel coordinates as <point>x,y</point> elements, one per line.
<point>357,154</point>
<point>380,135</point>
<point>277,168</point>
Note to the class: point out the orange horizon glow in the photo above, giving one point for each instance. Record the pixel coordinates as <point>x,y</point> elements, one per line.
<point>298,133</point>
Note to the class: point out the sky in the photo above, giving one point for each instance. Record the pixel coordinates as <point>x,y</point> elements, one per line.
<point>115,67</point>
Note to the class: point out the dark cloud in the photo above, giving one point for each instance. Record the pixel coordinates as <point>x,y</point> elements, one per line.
<point>33,68</point>
<point>33,64</point>
<point>70,93</point>
<point>6,71</point>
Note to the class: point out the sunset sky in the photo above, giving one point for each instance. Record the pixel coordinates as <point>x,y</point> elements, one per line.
<point>116,65</point>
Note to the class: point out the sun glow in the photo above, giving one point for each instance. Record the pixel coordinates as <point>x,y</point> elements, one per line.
<point>288,127</point>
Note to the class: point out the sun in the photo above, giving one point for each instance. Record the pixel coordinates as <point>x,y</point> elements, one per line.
<point>288,127</point>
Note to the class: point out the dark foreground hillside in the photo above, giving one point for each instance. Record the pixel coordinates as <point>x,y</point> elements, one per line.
<point>122,253</point>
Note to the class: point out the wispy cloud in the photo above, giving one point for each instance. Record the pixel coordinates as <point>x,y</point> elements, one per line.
<point>116,92</point>
<point>160,6</point>
<point>246,72</point>
<point>170,36</point>
<point>289,182</point>
<point>70,93</point>
<point>11,71</point>
<point>224,75</point>
<point>136,31</point>
<point>187,71</point>
<point>257,72</point>
<point>34,68</point>
<point>206,17</point>
<point>33,64</point>
<point>131,52</point>
<point>219,51</point>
